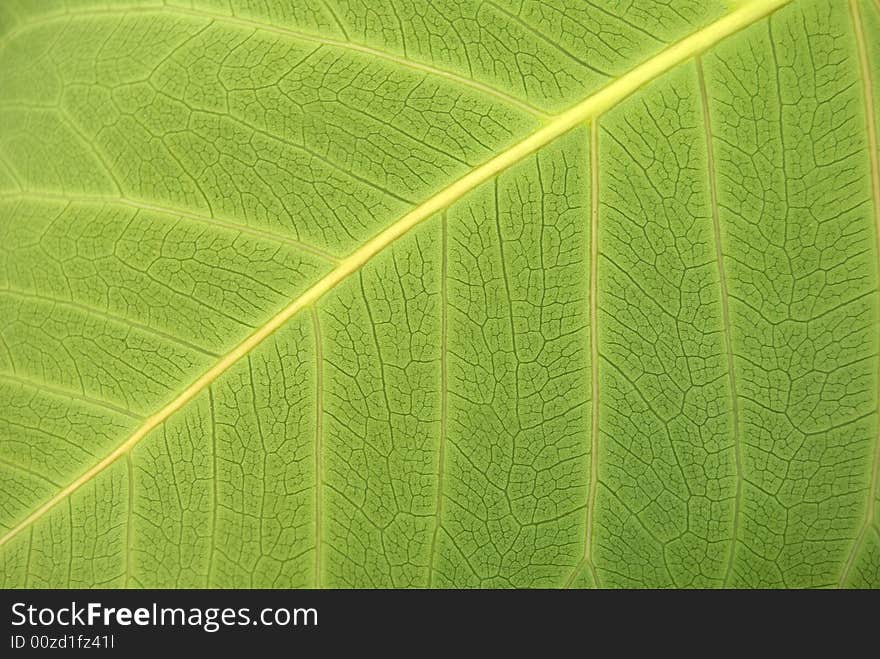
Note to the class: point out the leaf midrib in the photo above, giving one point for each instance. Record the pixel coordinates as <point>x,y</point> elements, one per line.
<point>590,108</point>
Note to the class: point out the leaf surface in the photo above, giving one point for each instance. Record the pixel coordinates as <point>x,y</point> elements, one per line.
<point>474,294</point>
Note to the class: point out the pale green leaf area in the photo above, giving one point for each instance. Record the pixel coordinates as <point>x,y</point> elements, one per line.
<point>503,293</point>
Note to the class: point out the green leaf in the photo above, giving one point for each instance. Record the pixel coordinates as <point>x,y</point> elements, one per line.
<point>515,293</point>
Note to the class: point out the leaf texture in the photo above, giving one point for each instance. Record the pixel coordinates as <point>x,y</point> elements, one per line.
<point>512,293</point>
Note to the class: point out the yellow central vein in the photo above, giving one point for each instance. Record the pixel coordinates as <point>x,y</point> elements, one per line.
<point>873,150</point>
<point>588,109</point>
